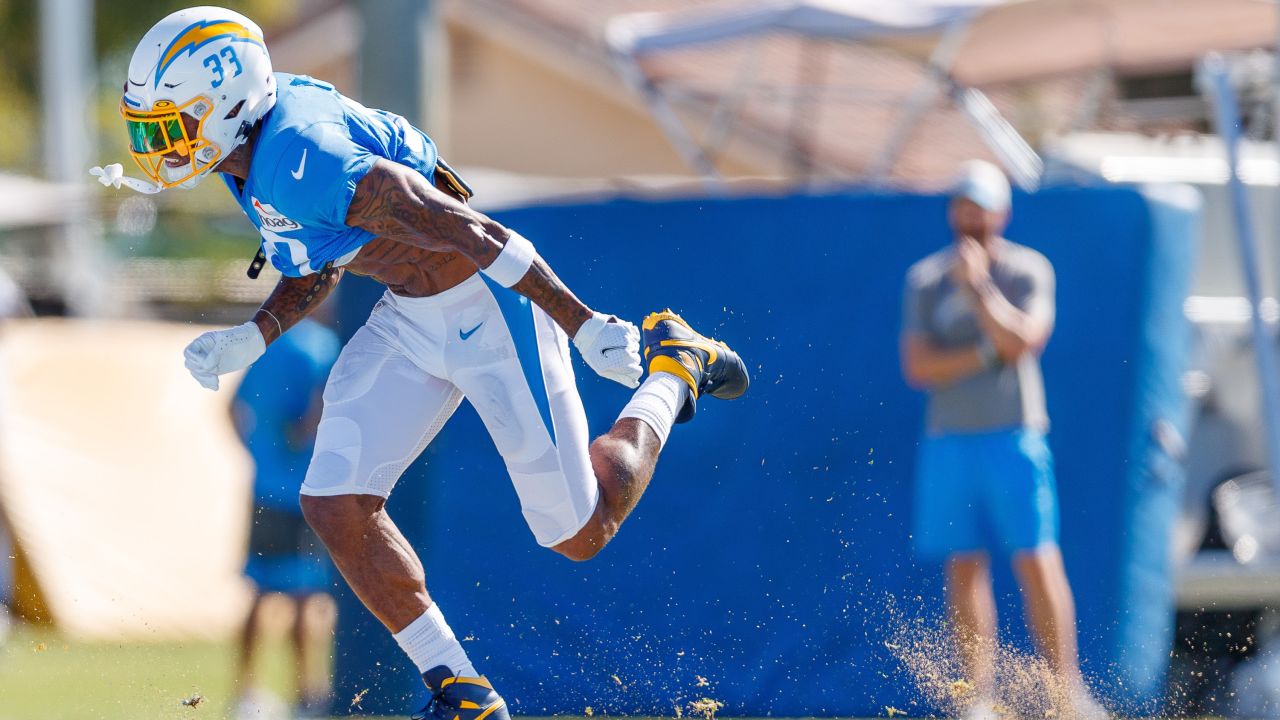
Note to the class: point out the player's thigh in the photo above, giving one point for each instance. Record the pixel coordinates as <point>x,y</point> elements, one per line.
<point>1021,491</point>
<point>519,378</point>
<point>380,412</point>
<point>947,511</point>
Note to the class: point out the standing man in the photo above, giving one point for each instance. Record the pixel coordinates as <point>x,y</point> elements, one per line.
<point>471,311</point>
<point>275,412</point>
<point>976,317</point>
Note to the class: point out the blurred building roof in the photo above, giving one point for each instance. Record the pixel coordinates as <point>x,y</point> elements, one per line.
<point>823,108</point>
<point>807,109</point>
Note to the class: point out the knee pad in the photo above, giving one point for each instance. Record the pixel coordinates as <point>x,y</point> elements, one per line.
<point>336,460</point>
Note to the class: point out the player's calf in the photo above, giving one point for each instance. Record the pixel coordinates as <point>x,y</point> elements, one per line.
<point>683,365</point>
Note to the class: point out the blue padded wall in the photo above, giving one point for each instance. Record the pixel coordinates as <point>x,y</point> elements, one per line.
<point>774,537</point>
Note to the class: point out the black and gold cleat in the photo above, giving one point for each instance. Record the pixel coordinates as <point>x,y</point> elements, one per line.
<point>460,698</point>
<point>707,365</point>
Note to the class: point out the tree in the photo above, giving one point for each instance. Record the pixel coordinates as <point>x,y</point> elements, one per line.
<point>117,26</point>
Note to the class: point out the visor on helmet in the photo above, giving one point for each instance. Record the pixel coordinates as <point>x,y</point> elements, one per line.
<point>158,132</point>
<point>154,135</point>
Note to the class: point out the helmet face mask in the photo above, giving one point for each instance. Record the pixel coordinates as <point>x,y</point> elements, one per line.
<point>208,66</point>
<point>156,135</point>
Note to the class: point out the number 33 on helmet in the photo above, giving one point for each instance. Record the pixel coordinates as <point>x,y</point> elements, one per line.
<point>198,82</point>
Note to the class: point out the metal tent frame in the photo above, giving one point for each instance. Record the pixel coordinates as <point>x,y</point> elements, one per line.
<point>633,36</point>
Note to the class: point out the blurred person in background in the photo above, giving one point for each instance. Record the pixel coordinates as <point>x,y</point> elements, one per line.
<point>976,317</point>
<point>276,411</point>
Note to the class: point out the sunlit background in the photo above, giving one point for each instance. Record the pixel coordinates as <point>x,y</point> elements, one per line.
<point>768,167</point>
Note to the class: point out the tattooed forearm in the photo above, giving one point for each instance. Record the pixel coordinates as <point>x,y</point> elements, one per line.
<point>397,202</point>
<point>292,300</point>
<point>542,286</point>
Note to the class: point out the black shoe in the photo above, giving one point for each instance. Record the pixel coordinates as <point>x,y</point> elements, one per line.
<point>460,698</point>
<point>705,364</point>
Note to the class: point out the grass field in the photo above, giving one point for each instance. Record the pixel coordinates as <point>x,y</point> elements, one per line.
<point>44,677</point>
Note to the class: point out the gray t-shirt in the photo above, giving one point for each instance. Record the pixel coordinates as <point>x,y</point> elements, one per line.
<point>1004,396</point>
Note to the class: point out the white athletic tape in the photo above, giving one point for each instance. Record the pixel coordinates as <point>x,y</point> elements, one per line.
<point>513,262</point>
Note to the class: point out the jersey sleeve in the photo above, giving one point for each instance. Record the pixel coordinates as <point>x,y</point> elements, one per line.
<point>317,173</point>
<point>913,313</point>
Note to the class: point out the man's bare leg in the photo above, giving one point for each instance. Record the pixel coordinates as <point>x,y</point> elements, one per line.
<point>386,574</point>
<point>623,460</point>
<point>1050,609</point>
<point>1051,618</point>
<point>368,549</point>
<point>973,615</point>
<point>311,627</point>
<point>683,365</point>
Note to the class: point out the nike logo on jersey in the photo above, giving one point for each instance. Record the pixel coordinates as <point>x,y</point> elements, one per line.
<point>468,333</point>
<point>297,174</point>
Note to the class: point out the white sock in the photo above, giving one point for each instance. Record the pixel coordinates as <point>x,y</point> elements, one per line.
<point>657,402</point>
<point>429,642</point>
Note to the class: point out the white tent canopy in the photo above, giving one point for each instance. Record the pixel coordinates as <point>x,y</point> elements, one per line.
<point>939,22</point>
<point>640,33</point>
<point>958,44</point>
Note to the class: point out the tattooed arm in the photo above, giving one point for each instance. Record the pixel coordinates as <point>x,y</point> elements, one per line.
<point>292,300</point>
<point>397,202</point>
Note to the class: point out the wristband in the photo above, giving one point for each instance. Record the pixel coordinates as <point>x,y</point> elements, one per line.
<point>513,262</point>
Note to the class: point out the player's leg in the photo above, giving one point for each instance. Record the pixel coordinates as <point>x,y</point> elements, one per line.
<point>683,366</point>
<point>380,411</point>
<point>512,362</point>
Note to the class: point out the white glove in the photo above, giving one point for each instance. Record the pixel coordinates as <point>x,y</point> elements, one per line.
<point>222,351</point>
<point>611,347</point>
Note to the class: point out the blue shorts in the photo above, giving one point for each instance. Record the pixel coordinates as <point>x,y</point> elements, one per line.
<point>985,491</point>
<point>285,556</point>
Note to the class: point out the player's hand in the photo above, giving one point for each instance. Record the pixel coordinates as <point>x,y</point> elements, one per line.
<point>611,347</point>
<point>219,352</point>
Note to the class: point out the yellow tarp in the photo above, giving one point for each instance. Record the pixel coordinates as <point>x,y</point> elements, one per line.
<point>125,486</point>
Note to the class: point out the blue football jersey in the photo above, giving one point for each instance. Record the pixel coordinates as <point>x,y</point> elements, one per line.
<point>312,150</point>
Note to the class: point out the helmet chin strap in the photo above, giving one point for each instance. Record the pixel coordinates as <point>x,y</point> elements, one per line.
<point>113,176</point>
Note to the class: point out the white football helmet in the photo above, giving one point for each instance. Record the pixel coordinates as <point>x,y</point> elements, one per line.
<point>209,65</point>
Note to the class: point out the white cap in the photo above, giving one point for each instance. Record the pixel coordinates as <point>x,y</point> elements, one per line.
<point>984,184</point>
